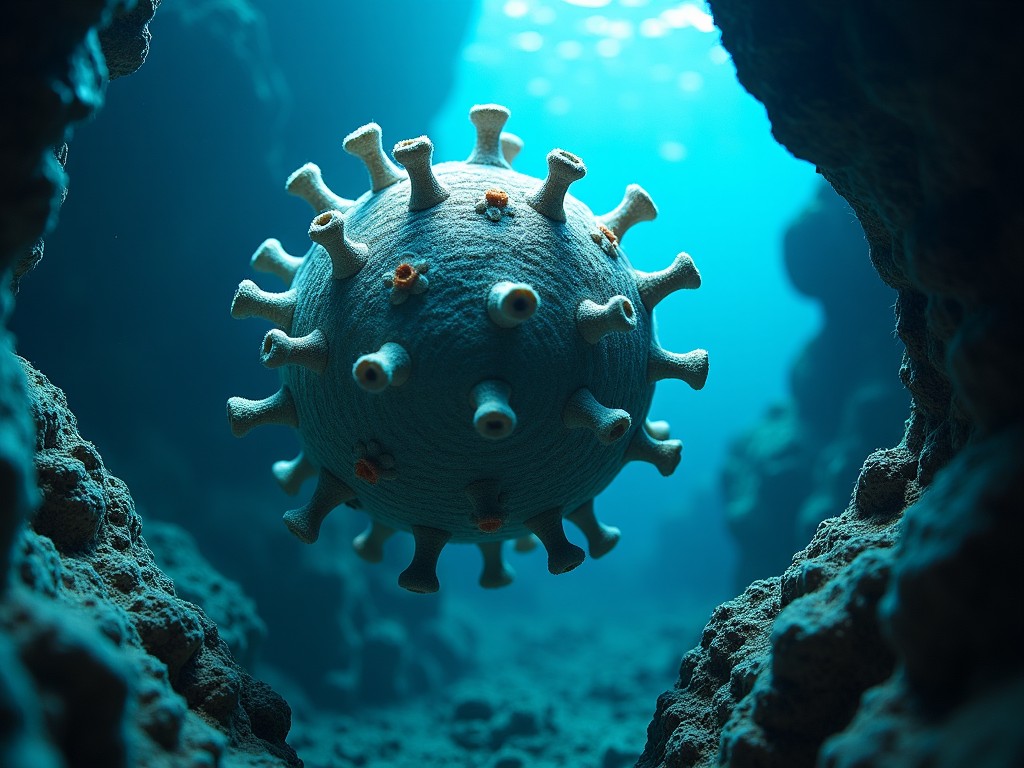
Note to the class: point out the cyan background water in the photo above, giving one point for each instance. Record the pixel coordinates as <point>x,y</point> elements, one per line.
<point>181,176</point>
<point>644,92</point>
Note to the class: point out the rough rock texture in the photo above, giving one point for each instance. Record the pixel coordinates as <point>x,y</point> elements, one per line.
<point>121,670</point>
<point>125,39</point>
<point>888,641</point>
<point>798,464</point>
<point>195,580</point>
<point>52,75</point>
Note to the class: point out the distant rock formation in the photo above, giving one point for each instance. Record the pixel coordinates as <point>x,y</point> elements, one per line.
<point>798,465</point>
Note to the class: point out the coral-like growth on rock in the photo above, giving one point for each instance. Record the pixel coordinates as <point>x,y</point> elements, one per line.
<point>126,671</point>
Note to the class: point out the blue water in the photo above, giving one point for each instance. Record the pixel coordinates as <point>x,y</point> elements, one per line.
<point>181,175</point>
<point>645,93</point>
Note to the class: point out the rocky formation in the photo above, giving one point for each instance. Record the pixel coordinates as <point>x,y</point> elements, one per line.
<point>887,642</point>
<point>798,464</point>
<point>197,581</point>
<point>117,668</point>
<point>102,663</point>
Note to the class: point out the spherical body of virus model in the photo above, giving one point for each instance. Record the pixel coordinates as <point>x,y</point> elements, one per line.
<point>465,352</point>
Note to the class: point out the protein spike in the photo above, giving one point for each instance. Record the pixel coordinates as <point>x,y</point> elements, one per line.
<point>636,206</point>
<point>245,415</point>
<point>681,274</point>
<point>347,256</point>
<point>663,454</point>
<point>389,366</point>
<point>291,474</point>
<point>305,522</point>
<point>496,572</point>
<point>526,543</point>
<point>369,544</point>
<point>365,143</point>
<point>563,169</point>
<point>494,417</point>
<point>488,119</point>
<point>659,430</point>
<point>582,411</point>
<point>271,257</point>
<point>563,556</point>
<point>511,146</point>
<point>691,367</point>
<point>601,538</point>
<point>509,304</point>
<point>308,183</point>
<point>252,301</point>
<point>595,321</point>
<point>421,575</point>
<point>309,351</point>
<point>425,191</point>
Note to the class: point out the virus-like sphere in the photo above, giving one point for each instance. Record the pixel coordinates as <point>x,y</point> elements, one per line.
<point>465,351</point>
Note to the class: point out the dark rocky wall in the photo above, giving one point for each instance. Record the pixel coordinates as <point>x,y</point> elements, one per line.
<point>102,663</point>
<point>888,641</point>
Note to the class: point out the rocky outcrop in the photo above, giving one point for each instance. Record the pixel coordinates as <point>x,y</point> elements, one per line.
<point>197,581</point>
<point>113,667</point>
<point>886,642</point>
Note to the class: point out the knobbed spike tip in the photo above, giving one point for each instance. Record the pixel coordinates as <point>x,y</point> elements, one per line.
<point>582,411</point>
<point>488,119</point>
<point>511,146</point>
<point>365,143</point>
<point>252,301</point>
<point>509,304</point>
<point>305,522</point>
<point>562,555</point>
<point>601,538</point>
<point>389,366</point>
<point>595,321</point>
<point>308,183</point>
<point>496,572</point>
<point>691,367</point>
<point>636,206</point>
<point>369,544</point>
<point>494,417</point>
<point>489,512</point>
<point>347,256</point>
<point>290,475</point>
<point>425,191</point>
<point>659,430</point>
<point>563,169</point>
<point>663,454</point>
<point>655,286</point>
<point>245,415</point>
<point>308,351</point>
<point>271,257</point>
<point>526,543</point>
<point>421,575</point>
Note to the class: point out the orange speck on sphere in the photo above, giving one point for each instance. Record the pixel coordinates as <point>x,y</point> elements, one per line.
<point>496,197</point>
<point>609,234</point>
<point>406,275</point>
<point>490,524</point>
<point>368,471</point>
